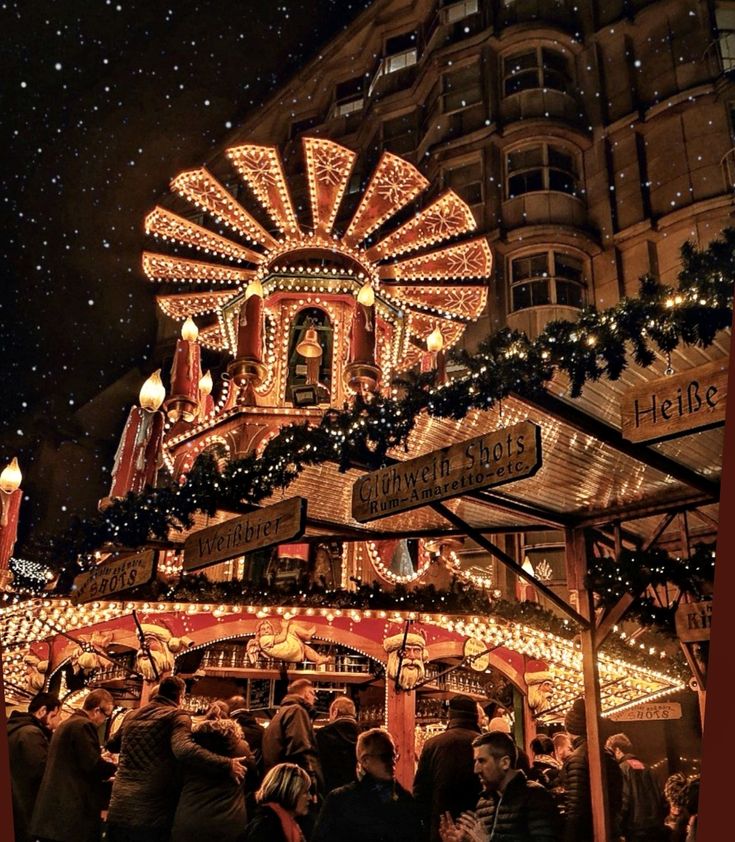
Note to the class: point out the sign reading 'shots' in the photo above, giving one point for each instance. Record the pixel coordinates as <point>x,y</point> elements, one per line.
<point>490,459</point>
<point>672,406</point>
<point>113,576</point>
<point>262,528</point>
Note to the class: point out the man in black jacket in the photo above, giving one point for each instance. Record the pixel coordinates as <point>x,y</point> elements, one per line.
<point>512,808</point>
<point>69,803</point>
<point>575,780</point>
<point>376,808</point>
<point>642,813</point>
<point>337,741</point>
<point>445,779</point>
<point>290,736</point>
<point>29,735</point>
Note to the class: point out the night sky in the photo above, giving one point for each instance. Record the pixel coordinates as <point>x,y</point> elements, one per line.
<point>102,103</point>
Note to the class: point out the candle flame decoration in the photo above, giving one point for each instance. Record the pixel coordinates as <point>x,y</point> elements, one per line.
<point>206,383</point>
<point>189,330</point>
<point>152,392</point>
<point>435,341</point>
<point>254,288</point>
<point>366,295</point>
<point>11,477</point>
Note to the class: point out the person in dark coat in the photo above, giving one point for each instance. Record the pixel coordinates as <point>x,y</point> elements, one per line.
<point>445,779</point>
<point>545,767</point>
<point>70,798</point>
<point>376,808</point>
<point>336,742</point>
<point>154,740</point>
<point>212,803</point>
<point>290,736</point>
<point>643,810</point>
<point>511,808</point>
<point>29,735</point>
<point>252,730</point>
<point>575,780</point>
<point>283,797</point>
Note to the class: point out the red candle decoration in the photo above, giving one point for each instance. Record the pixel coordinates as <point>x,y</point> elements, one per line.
<point>362,335</point>
<point>187,366</point>
<point>10,497</point>
<point>138,456</point>
<point>206,401</point>
<point>250,324</point>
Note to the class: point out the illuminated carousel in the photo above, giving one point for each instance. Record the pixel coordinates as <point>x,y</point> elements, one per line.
<point>312,317</point>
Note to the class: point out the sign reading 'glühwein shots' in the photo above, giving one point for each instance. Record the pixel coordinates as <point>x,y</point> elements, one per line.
<point>110,577</point>
<point>262,528</point>
<point>678,404</point>
<point>490,459</point>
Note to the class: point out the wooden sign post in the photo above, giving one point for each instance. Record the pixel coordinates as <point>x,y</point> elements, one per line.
<point>114,576</point>
<point>670,406</point>
<point>262,528</point>
<point>490,459</point>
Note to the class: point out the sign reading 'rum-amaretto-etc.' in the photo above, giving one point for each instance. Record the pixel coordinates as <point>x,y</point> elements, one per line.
<point>490,459</point>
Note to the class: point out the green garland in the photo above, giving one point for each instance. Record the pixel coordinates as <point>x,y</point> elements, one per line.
<point>636,570</point>
<point>508,362</point>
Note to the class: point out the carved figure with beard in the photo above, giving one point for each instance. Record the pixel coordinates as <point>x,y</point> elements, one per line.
<point>413,663</point>
<point>540,690</point>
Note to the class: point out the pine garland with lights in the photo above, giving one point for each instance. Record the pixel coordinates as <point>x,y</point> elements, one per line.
<point>638,570</point>
<point>595,346</point>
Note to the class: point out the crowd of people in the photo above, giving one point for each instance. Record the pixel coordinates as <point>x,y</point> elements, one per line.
<point>227,778</point>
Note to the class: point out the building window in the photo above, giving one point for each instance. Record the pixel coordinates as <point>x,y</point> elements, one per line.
<point>725,21</point>
<point>461,88</point>
<point>402,133</point>
<point>466,181</point>
<point>454,11</point>
<point>549,277</point>
<point>537,68</point>
<point>349,97</point>
<point>542,167</point>
<point>299,127</point>
<point>400,52</point>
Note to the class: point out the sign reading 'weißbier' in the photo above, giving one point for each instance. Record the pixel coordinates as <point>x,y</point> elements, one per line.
<point>490,459</point>
<point>239,535</point>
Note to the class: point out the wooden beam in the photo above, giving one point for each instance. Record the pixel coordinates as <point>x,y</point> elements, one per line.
<point>706,519</point>
<point>576,558</point>
<point>547,517</point>
<point>645,508</point>
<point>509,562</point>
<point>611,618</point>
<point>612,437</point>
<point>659,530</point>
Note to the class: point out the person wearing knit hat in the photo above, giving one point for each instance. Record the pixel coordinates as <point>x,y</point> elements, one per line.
<point>575,778</point>
<point>445,780</point>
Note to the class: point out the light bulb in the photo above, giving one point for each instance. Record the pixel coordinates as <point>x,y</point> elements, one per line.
<point>366,295</point>
<point>254,288</point>
<point>205,383</point>
<point>152,392</point>
<point>11,476</point>
<point>189,331</point>
<point>435,341</point>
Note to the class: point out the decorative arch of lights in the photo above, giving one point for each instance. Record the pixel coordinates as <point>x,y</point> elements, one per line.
<point>442,284</point>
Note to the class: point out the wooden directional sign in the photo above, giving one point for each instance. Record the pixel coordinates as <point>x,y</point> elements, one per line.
<point>648,712</point>
<point>262,528</point>
<point>111,577</point>
<point>487,460</point>
<point>693,621</point>
<point>476,654</point>
<point>672,406</point>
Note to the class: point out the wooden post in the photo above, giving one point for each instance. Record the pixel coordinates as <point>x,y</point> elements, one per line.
<point>401,722</point>
<point>576,563</point>
<point>529,726</point>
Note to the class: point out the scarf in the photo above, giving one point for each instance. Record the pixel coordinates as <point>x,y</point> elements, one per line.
<point>291,831</point>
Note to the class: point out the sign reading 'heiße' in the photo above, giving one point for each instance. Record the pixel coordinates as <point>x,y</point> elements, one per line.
<point>262,528</point>
<point>671,406</point>
<point>110,577</point>
<point>490,459</point>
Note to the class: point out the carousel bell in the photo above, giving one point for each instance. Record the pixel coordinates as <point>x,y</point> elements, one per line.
<point>309,346</point>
